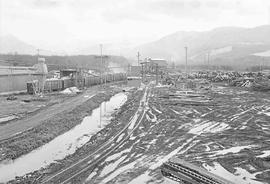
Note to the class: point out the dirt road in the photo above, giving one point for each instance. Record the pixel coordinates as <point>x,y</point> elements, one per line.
<point>26,123</point>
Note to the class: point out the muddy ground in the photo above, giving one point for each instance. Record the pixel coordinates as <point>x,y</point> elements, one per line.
<point>29,120</point>
<point>228,136</point>
<point>48,129</point>
<point>224,130</point>
<point>118,121</point>
<point>25,105</point>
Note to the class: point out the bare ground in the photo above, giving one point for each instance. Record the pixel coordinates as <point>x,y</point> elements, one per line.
<point>119,120</point>
<point>224,130</point>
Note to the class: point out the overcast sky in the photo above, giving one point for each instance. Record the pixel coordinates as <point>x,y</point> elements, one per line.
<point>56,24</point>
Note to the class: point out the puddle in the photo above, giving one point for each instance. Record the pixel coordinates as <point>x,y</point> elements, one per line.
<point>207,147</point>
<point>118,171</point>
<point>64,144</point>
<point>176,112</point>
<point>123,169</point>
<point>265,154</point>
<point>8,118</point>
<point>209,127</point>
<point>180,150</point>
<point>267,113</point>
<point>117,155</point>
<point>241,176</point>
<point>219,127</point>
<point>144,178</point>
<point>232,150</point>
<point>158,111</point>
<point>120,137</point>
<point>94,173</point>
<point>200,128</point>
<point>111,167</point>
<point>154,119</point>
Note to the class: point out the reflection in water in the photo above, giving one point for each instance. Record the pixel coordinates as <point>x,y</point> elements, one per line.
<point>64,144</point>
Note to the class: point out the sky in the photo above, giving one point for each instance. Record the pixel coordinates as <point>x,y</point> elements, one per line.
<point>75,24</point>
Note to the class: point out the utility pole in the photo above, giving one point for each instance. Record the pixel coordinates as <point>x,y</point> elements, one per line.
<point>208,61</point>
<point>204,61</point>
<point>138,56</point>
<point>261,66</point>
<point>156,74</point>
<point>101,62</point>
<point>142,72</point>
<point>186,48</point>
<point>40,85</point>
<point>100,114</point>
<point>38,52</point>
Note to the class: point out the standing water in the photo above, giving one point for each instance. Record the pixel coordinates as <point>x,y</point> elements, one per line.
<point>64,144</point>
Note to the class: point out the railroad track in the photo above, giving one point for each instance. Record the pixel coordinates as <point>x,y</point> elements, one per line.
<point>90,161</point>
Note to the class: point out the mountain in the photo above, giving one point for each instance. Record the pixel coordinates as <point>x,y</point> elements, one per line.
<point>226,46</point>
<point>16,52</point>
<point>11,44</point>
<point>71,61</point>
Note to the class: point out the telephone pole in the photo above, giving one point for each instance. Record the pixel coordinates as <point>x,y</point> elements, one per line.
<point>205,61</point>
<point>100,115</point>
<point>38,54</point>
<point>208,61</point>
<point>101,62</point>
<point>186,48</point>
<point>156,74</point>
<point>261,66</point>
<point>138,56</point>
<point>142,72</point>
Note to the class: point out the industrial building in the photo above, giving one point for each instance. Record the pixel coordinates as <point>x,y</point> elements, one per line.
<point>13,79</point>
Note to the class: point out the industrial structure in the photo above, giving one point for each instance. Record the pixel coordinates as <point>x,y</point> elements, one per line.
<point>35,79</point>
<point>153,67</point>
<point>14,78</point>
<point>162,63</point>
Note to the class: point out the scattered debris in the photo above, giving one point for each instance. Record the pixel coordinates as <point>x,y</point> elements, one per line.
<point>27,100</point>
<point>242,82</point>
<point>71,90</point>
<point>11,97</point>
<point>7,118</point>
<point>261,86</point>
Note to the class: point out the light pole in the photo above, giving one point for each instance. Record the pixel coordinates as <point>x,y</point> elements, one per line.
<point>100,114</point>
<point>186,48</point>
<point>101,62</point>
<point>208,61</point>
<point>156,74</point>
<point>138,56</point>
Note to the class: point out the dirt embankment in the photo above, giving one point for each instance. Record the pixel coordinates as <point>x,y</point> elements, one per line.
<point>26,105</point>
<point>50,128</point>
<point>119,120</point>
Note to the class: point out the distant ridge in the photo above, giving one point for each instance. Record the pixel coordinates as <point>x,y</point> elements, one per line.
<point>226,45</point>
<point>11,44</point>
